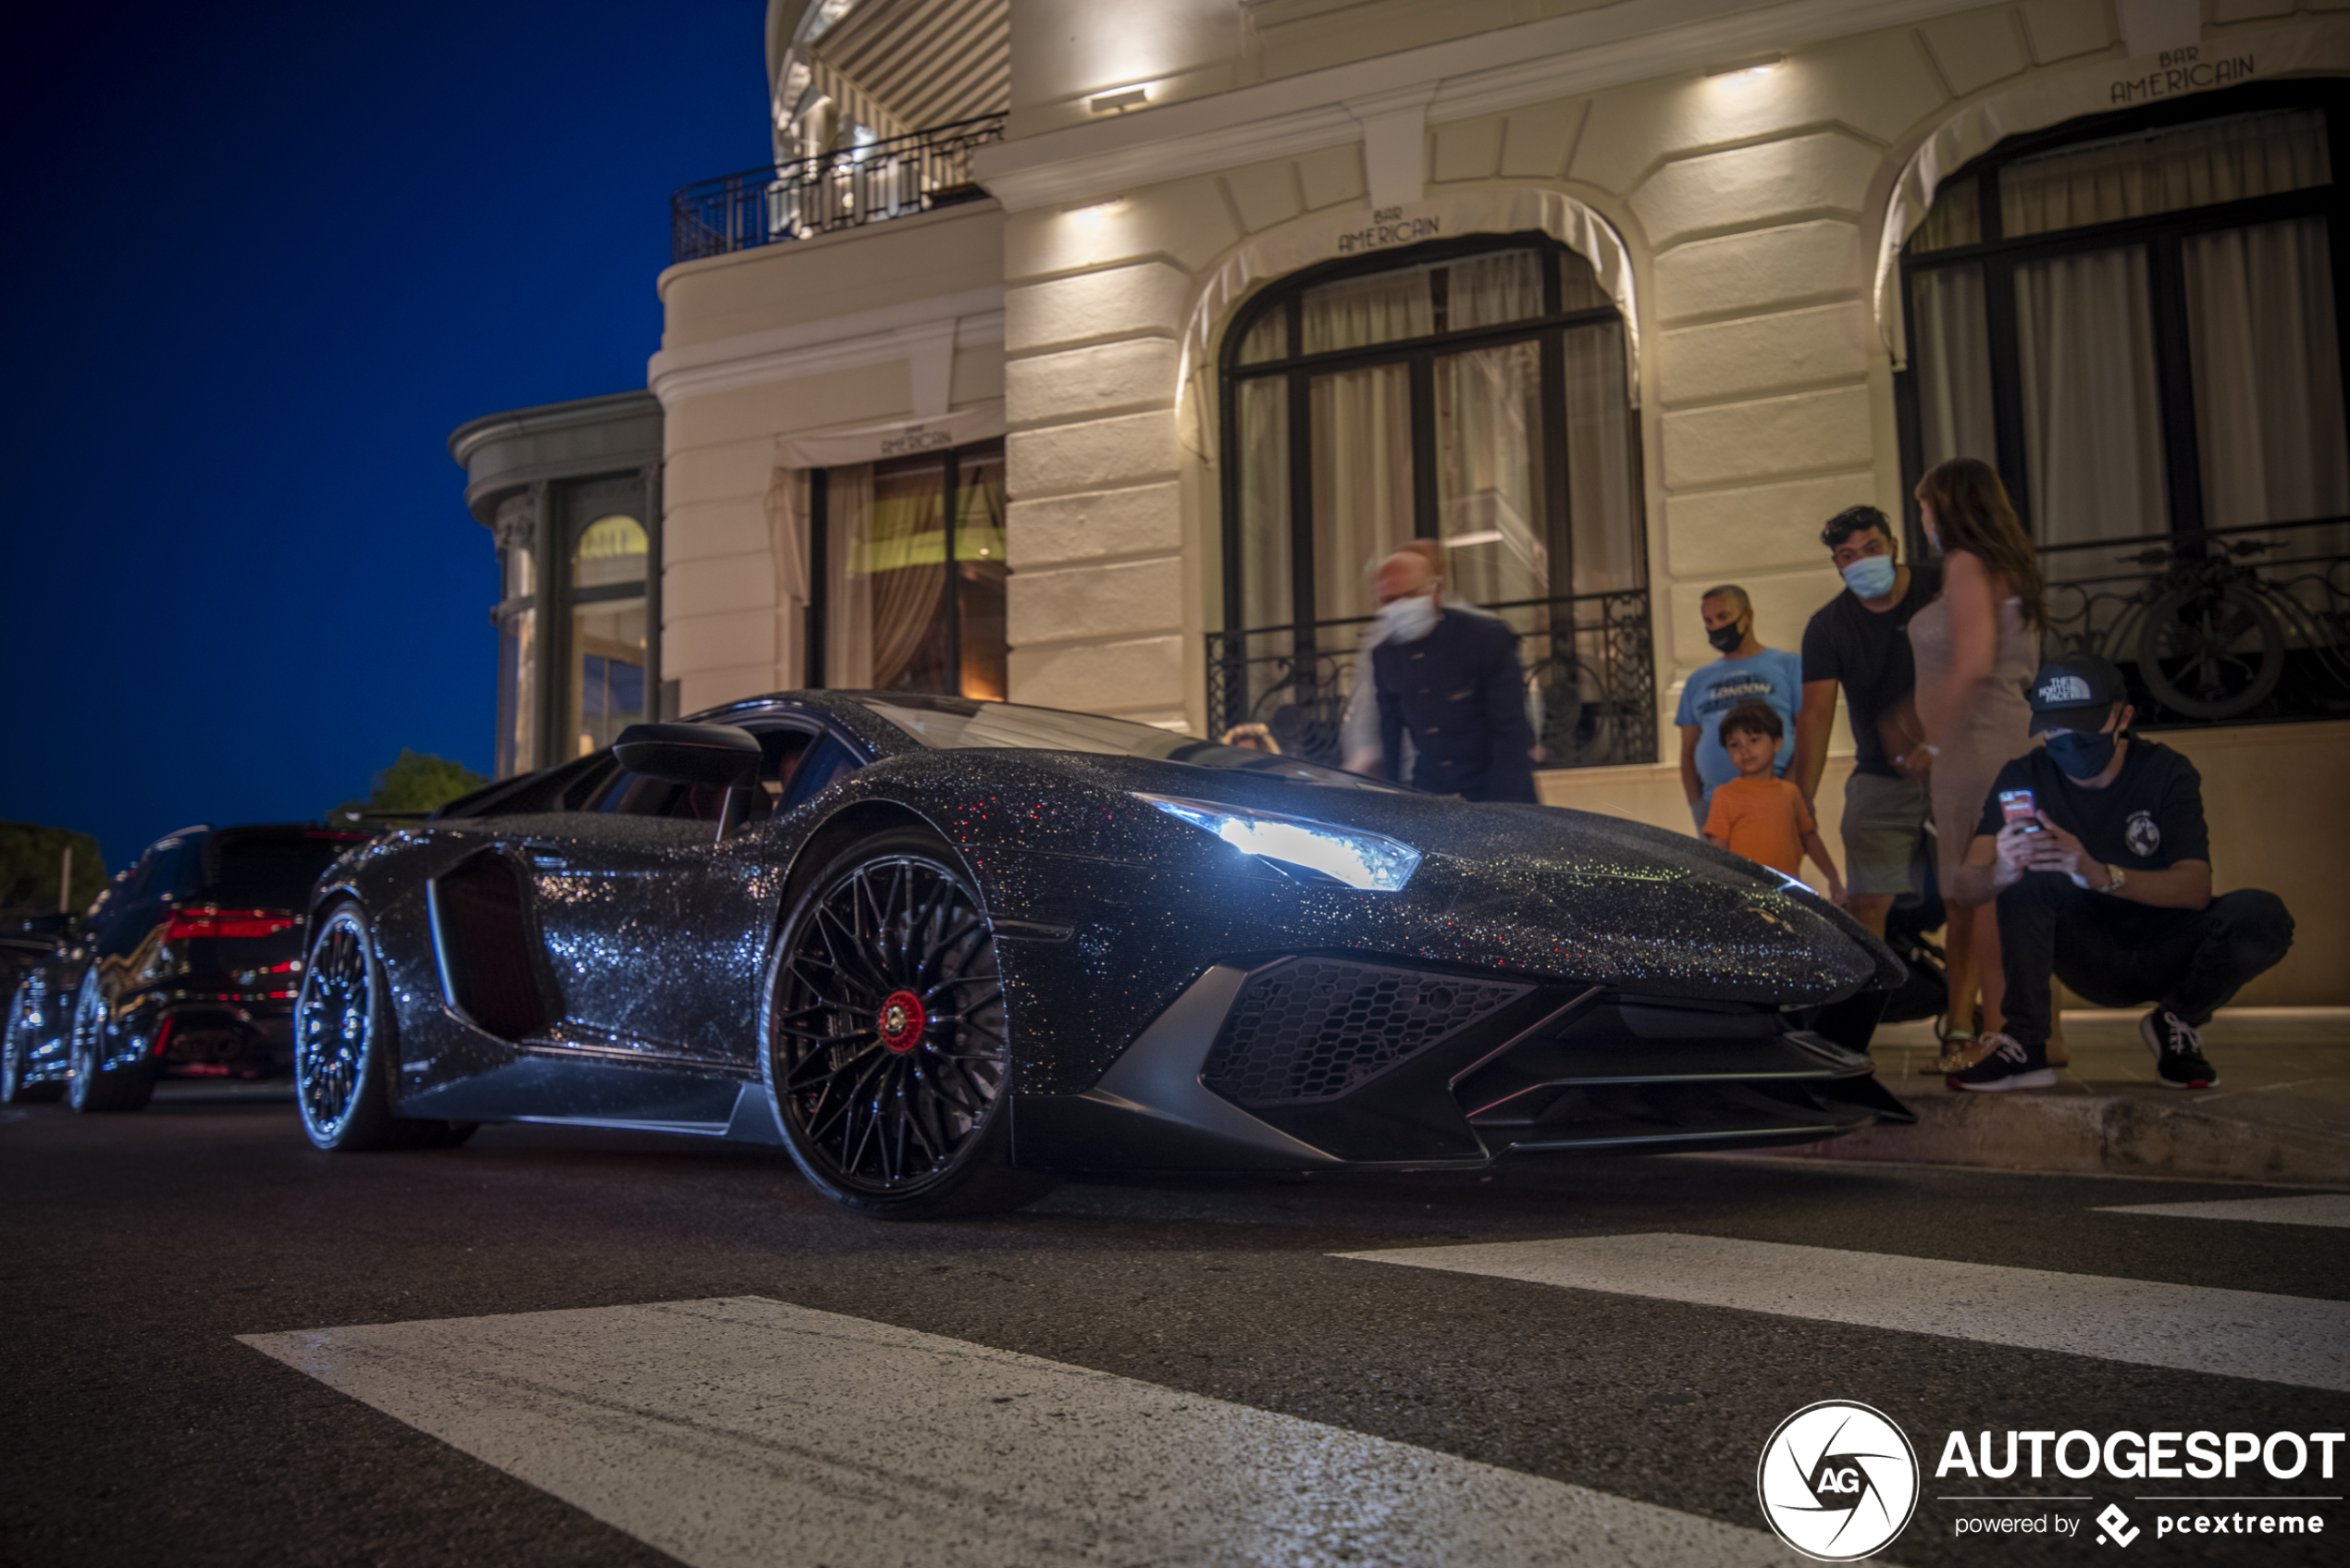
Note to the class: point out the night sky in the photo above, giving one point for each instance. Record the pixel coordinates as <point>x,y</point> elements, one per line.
<point>262,259</point>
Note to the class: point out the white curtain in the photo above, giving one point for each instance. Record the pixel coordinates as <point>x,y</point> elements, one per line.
<point>1382,308</point>
<point>1490,516</point>
<point>1362,481</point>
<point>2196,165</point>
<point>1954,365</point>
<point>2268,374</point>
<point>848,597</point>
<point>2092,419</point>
<point>1603,500</point>
<point>1494,290</point>
<point>1264,532</point>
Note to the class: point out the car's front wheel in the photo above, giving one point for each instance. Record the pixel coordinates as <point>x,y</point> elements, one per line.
<point>106,1069</point>
<point>345,1050</point>
<point>887,1049</point>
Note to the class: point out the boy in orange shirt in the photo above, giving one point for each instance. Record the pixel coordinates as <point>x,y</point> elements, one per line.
<point>1760,817</point>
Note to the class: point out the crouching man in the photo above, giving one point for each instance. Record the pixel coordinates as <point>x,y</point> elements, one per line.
<point>2104,883</point>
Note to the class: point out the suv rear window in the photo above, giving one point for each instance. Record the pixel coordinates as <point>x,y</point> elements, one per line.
<point>270,868</point>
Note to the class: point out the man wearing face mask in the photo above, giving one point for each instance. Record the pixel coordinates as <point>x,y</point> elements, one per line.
<point>1746,672</point>
<point>2106,885</point>
<point>1453,682</point>
<point>1859,643</point>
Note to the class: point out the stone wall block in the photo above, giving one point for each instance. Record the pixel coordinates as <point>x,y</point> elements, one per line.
<point>1331,175</point>
<point>718,585</point>
<point>1079,382</point>
<point>1099,456</point>
<point>1763,354</point>
<point>1783,603</point>
<point>1186,219</point>
<point>1975,49</point>
<point>690,643</point>
<point>1264,194</point>
<point>1127,522</point>
<point>1745,185</point>
<point>1148,296</point>
<point>884,389</point>
<point>724,472</point>
<point>1769,435</point>
<point>2060,28</point>
<point>699,689</point>
<point>1119,600</point>
<point>1143,674</point>
<point>1468,149</point>
<point>1799,263</point>
<point>715,530</point>
<point>1759,528</point>
<point>1539,139</point>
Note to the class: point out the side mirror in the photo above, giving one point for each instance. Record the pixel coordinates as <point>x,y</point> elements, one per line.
<point>713,756</point>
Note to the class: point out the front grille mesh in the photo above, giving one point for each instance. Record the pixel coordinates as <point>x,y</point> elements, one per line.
<point>1310,1029</point>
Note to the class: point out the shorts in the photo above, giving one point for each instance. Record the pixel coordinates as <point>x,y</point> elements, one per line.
<point>1884,826</point>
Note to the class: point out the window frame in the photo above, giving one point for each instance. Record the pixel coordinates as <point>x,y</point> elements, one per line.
<point>2161,234</point>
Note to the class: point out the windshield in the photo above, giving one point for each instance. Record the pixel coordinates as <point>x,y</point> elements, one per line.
<point>273,868</point>
<point>952,723</point>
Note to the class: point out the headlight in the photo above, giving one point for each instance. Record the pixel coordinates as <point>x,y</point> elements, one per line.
<point>1346,855</point>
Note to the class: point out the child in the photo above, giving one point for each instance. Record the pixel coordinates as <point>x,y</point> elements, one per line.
<point>1760,817</point>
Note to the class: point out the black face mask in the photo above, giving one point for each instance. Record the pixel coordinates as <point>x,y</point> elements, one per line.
<point>1725,639</point>
<point>2081,756</point>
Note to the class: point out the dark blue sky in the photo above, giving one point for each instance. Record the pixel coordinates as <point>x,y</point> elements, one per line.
<point>262,259</point>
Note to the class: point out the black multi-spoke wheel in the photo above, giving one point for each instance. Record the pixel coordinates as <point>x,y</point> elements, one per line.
<point>27,1021</point>
<point>888,1052</point>
<point>343,1052</point>
<point>106,1069</point>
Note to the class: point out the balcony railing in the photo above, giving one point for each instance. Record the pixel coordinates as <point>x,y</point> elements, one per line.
<point>2226,626</point>
<point>840,190</point>
<point>1590,673</point>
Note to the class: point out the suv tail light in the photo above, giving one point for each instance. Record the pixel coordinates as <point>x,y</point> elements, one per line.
<point>192,923</point>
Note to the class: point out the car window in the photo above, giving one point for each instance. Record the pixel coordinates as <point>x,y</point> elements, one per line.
<point>269,868</point>
<point>824,765</point>
<point>158,873</point>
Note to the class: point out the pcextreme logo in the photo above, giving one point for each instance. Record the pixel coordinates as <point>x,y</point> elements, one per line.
<point>1838,1481</point>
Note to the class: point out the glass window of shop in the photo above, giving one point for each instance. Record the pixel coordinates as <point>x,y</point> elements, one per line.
<point>1468,393</point>
<point>606,676</point>
<point>517,622</point>
<point>910,569</point>
<point>2138,318</point>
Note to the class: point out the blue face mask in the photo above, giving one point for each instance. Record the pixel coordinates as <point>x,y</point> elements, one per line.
<point>1871,576</point>
<point>2082,754</point>
<point>1408,620</point>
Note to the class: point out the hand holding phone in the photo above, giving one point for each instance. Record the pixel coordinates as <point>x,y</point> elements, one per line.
<point>2018,809</point>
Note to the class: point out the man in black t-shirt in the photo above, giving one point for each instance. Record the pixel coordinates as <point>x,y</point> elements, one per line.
<point>1859,641</point>
<point>2104,882</point>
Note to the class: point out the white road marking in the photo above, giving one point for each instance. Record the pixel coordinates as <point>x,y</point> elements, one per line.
<point>2291,1340</point>
<point>743,1431</point>
<point>2305,1208</point>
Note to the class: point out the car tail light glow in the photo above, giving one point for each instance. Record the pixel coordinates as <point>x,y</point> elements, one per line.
<point>191,923</point>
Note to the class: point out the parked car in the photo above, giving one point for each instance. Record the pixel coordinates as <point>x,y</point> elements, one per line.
<point>186,965</point>
<point>941,949</point>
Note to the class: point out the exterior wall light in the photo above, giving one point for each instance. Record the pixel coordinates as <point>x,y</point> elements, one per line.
<point>1753,66</point>
<point>1129,98</point>
<point>1102,208</point>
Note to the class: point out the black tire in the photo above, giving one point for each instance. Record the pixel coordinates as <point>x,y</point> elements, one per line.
<point>346,1044</point>
<point>107,1071</point>
<point>15,1052</point>
<point>885,1049</point>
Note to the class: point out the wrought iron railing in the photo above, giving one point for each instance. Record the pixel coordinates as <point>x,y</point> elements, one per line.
<point>1590,677</point>
<point>840,190</point>
<point>2223,626</point>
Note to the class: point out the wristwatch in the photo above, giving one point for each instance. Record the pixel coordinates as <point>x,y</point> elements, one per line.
<point>2119,877</point>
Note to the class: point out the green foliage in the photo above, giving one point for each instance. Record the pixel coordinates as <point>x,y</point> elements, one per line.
<point>414,783</point>
<point>31,857</point>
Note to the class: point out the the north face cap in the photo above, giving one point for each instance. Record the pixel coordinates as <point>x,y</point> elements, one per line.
<point>2076,692</point>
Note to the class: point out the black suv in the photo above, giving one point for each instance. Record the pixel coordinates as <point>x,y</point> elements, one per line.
<point>186,965</point>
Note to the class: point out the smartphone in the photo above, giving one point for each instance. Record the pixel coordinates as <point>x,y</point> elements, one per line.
<point>2017,806</point>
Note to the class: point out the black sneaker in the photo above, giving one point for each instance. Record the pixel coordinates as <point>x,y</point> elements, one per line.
<point>2178,1051</point>
<point>2011,1065</point>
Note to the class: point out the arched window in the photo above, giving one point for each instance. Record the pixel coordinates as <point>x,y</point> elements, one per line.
<point>1468,392</point>
<point>607,684</point>
<point>2138,319</point>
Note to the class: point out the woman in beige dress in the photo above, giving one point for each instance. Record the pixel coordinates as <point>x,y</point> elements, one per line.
<point>1977,646</point>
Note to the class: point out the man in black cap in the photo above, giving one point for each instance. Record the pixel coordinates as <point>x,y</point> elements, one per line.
<point>2104,881</point>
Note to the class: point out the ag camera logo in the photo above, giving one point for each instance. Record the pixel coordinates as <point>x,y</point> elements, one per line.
<point>1838,1481</point>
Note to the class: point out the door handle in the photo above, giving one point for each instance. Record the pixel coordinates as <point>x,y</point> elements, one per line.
<point>545,856</point>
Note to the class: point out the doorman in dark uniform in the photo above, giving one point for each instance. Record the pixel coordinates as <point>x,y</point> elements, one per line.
<point>1453,682</point>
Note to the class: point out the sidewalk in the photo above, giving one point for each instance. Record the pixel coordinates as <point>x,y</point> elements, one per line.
<point>2280,1113</point>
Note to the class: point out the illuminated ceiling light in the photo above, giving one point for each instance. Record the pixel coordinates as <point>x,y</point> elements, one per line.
<point>1129,98</point>
<point>1102,208</point>
<point>1753,66</point>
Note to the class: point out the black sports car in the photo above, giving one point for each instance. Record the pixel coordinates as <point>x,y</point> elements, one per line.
<point>941,949</point>
<point>186,966</point>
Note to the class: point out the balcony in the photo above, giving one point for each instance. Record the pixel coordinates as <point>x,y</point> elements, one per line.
<point>841,190</point>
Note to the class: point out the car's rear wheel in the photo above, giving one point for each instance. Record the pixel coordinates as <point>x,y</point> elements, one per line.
<point>887,1050</point>
<point>344,1043</point>
<point>104,1070</point>
<point>16,1051</point>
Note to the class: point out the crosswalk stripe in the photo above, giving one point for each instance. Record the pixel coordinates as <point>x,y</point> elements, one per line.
<point>743,1431</point>
<point>2229,1333</point>
<point>2303,1208</point>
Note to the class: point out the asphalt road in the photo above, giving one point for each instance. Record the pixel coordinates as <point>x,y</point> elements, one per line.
<point>139,1427</point>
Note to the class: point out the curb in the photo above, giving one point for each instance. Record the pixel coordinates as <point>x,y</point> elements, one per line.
<point>2091,1134</point>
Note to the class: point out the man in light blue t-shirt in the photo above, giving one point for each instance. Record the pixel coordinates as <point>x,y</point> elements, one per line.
<point>1746,672</point>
